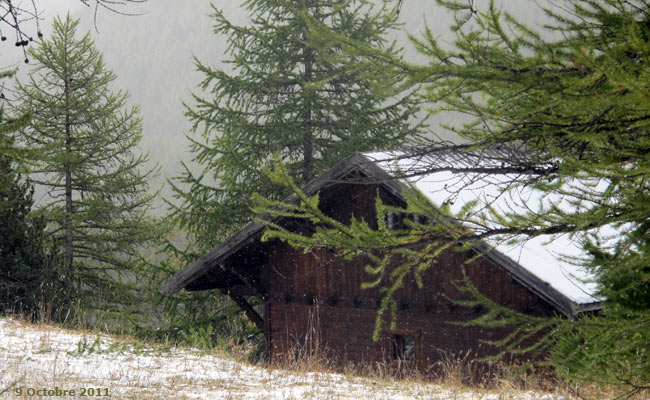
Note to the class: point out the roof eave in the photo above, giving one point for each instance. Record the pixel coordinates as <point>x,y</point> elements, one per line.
<point>235,242</point>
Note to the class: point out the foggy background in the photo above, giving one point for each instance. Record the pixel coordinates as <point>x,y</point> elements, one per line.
<point>152,52</point>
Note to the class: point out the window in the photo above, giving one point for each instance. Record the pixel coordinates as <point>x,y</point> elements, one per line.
<point>390,220</point>
<point>416,218</point>
<point>403,347</point>
<point>397,221</point>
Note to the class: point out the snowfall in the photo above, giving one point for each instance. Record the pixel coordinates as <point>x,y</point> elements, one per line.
<point>43,361</point>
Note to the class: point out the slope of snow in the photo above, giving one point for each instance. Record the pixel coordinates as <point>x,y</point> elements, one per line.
<point>549,258</point>
<point>45,357</point>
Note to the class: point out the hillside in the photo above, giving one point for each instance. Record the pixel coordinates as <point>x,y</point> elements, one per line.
<point>37,357</point>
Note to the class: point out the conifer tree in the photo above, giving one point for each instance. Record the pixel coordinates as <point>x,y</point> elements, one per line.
<point>570,116</point>
<point>8,128</point>
<point>28,283</point>
<point>87,163</point>
<point>290,93</point>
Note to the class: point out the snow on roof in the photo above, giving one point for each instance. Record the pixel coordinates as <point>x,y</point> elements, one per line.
<point>548,258</point>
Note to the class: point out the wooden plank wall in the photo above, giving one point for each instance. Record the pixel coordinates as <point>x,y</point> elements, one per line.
<point>344,334</point>
<point>319,296</point>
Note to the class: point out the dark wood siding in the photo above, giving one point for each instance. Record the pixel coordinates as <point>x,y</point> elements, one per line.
<point>345,333</point>
<point>318,297</point>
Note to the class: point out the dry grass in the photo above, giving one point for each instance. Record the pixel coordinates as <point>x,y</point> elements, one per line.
<point>45,356</point>
<point>457,374</point>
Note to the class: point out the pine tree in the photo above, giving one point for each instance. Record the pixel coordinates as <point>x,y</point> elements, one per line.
<point>87,163</point>
<point>28,284</point>
<point>290,93</point>
<point>570,117</point>
<point>28,281</point>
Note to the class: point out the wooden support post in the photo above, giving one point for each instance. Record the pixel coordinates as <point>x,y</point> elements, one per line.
<point>248,310</point>
<point>268,347</point>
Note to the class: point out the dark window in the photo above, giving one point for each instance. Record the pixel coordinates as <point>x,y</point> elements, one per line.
<point>390,221</point>
<point>403,347</point>
<point>397,221</point>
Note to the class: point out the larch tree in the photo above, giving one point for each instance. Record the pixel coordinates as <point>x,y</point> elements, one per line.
<point>8,127</point>
<point>564,111</point>
<point>87,165</point>
<point>290,93</point>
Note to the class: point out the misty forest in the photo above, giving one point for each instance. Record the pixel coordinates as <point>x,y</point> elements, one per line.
<point>154,155</point>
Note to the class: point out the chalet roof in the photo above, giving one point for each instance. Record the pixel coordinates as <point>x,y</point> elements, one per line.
<point>552,260</point>
<point>537,264</point>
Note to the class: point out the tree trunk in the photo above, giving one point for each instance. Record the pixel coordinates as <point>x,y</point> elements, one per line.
<point>307,138</point>
<point>68,176</point>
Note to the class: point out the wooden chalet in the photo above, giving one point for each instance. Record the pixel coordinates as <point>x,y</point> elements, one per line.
<point>319,296</point>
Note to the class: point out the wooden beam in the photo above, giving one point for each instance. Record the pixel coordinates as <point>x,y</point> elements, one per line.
<point>268,347</point>
<point>239,291</point>
<point>250,284</point>
<point>248,310</point>
<point>212,258</point>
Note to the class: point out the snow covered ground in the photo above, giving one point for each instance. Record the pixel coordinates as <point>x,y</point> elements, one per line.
<point>43,361</point>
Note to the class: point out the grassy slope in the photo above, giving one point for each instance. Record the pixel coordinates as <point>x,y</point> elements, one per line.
<point>44,356</point>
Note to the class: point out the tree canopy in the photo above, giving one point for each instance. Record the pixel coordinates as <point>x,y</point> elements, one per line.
<point>290,93</point>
